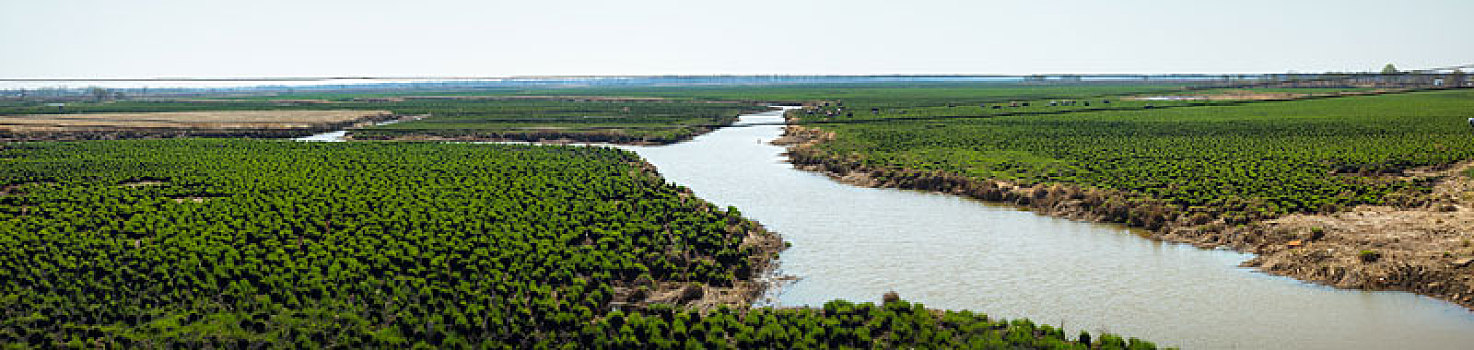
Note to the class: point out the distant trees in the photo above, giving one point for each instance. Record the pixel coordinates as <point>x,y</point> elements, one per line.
<point>1389,69</point>
<point>100,94</point>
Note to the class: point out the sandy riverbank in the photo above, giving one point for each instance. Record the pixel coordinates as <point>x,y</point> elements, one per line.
<point>1426,248</point>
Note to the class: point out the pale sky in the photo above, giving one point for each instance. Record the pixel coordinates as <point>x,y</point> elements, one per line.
<point>228,38</point>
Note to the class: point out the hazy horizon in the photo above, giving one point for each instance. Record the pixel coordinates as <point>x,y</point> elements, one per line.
<point>163,39</point>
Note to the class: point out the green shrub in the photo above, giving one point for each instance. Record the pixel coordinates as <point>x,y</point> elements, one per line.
<point>1369,256</point>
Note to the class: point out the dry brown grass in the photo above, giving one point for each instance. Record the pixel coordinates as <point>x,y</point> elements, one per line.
<point>276,119</point>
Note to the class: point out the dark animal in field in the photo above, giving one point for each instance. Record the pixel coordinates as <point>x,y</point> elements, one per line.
<point>997,107</point>
<point>1087,103</point>
<point>1052,103</point>
<point>1026,104</point>
<point>851,114</point>
<point>1471,122</point>
<point>1105,101</point>
<point>875,111</point>
<point>1149,106</point>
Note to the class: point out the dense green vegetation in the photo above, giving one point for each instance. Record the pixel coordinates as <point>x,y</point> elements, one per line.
<point>1043,100</point>
<point>839,324</point>
<point>230,243</point>
<point>1241,161</point>
<point>531,120</point>
<point>892,95</point>
<point>364,241</point>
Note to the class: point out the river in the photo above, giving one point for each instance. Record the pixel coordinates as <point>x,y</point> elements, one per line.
<point>949,252</point>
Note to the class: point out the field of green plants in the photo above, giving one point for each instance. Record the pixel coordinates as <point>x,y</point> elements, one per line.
<point>600,121</point>
<point>1241,161</point>
<point>192,243</point>
<point>894,95</point>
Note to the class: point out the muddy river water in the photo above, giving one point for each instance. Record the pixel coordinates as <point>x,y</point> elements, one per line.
<point>949,252</point>
<point>944,251</point>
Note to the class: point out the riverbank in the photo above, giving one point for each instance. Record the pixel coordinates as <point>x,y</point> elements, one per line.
<point>1427,250</point>
<point>539,135</point>
<point>559,122</point>
<point>763,247</point>
<point>1405,259</point>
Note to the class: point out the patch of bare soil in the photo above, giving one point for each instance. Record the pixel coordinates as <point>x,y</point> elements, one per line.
<point>15,189</point>
<point>190,199</point>
<point>106,126</point>
<point>9,189</point>
<point>142,183</point>
<point>1427,250</point>
<point>186,120</point>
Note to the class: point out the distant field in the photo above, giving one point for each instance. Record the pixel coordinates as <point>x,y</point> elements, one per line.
<point>622,119</point>
<point>277,119</point>
<point>36,120</point>
<point>618,120</point>
<point>1064,100</point>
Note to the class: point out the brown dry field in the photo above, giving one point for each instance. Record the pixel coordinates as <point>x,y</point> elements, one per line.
<point>277,119</point>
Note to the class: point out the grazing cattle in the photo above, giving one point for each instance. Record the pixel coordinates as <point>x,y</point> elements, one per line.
<point>851,114</point>
<point>1105,101</point>
<point>875,111</point>
<point>1013,104</point>
<point>1026,104</point>
<point>1471,122</point>
<point>1052,103</point>
<point>1087,103</point>
<point>1149,106</point>
<point>997,107</point>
